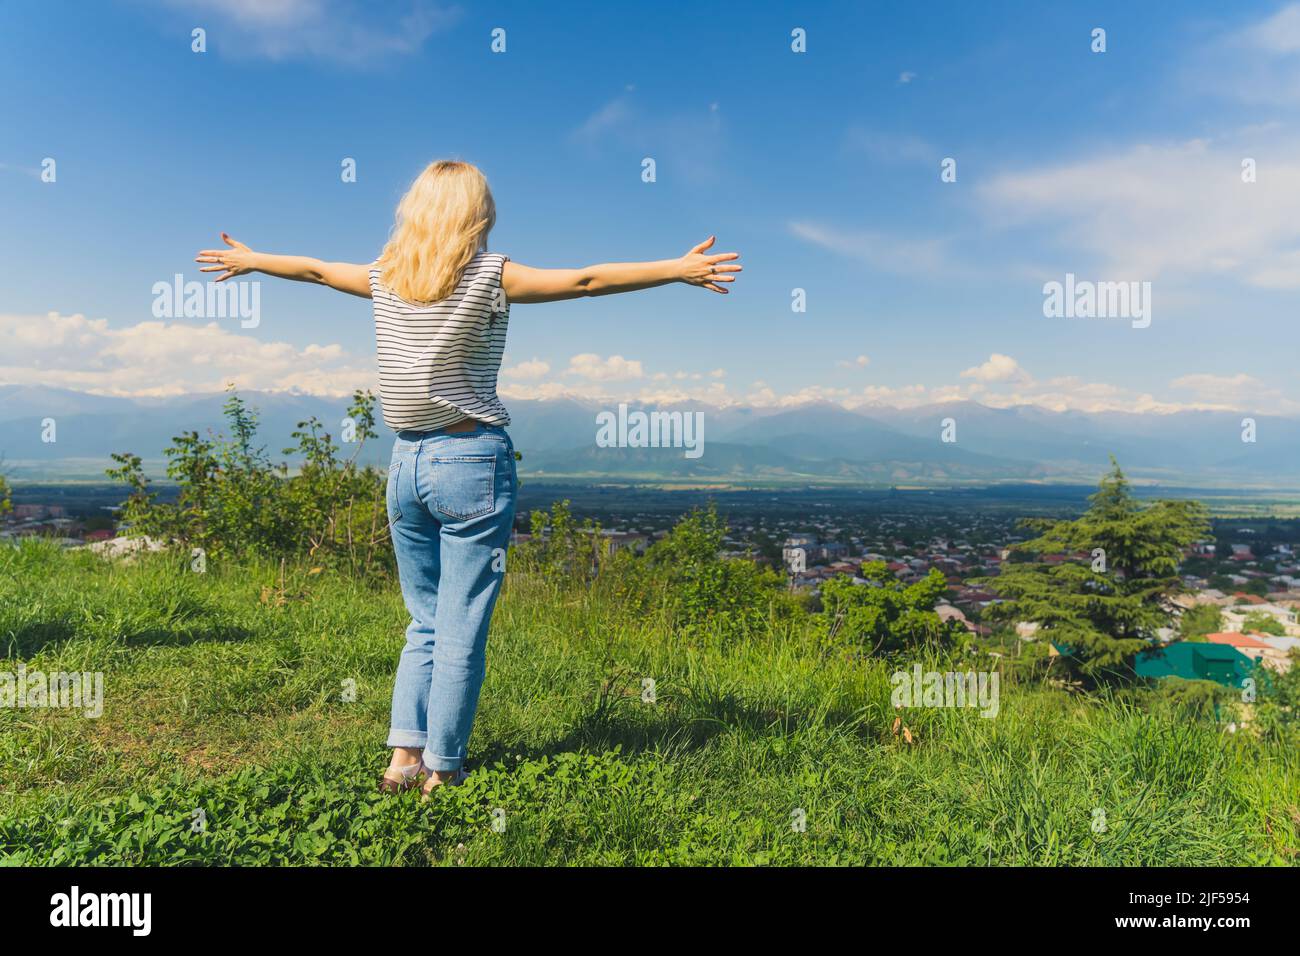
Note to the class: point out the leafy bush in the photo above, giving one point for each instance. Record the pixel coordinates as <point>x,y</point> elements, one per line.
<point>1263,623</point>
<point>559,547</point>
<point>234,502</point>
<point>1277,710</point>
<point>1198,621</point>
<point>700,591</point>
<point>887,615</point>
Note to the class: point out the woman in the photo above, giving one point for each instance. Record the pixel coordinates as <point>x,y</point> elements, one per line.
<point>441,304</point>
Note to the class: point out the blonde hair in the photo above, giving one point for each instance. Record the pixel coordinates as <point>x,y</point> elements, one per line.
<point>442,222</point>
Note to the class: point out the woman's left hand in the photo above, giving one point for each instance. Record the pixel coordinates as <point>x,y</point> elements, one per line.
<point>235,261</point>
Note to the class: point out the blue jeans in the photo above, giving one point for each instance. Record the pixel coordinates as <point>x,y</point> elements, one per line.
<point>451,507</point>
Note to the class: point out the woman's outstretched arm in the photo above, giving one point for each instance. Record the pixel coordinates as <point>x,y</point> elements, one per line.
<point>524,284</point>
<point>239,259</point>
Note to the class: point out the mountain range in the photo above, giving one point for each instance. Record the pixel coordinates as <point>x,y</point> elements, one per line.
<point>813,443</point>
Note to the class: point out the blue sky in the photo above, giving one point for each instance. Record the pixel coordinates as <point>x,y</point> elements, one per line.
<point>821,168</point>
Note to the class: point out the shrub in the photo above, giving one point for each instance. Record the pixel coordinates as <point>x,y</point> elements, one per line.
<point>234,502</point>
<point>701,591</point>
<point>886,615</point>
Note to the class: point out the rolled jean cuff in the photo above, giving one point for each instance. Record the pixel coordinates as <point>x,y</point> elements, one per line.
<point>407,738</point>
<point>441,764</point>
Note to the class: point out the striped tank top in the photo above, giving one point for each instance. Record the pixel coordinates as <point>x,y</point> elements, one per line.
<point>438,362</point>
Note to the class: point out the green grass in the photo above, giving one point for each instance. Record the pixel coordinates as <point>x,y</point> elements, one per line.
<point>221,697</point>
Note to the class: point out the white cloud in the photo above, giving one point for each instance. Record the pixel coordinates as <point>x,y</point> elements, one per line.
<point>1279,34</point>
<point>689,141</point>
<point>592,367</point>
<point>32,171</point>
<point>907,76</point>
<point>1181,208</point>
<point>1152,211</point>
<point>860,362</point>
<point>878,250</point>
<point>998,368</point>
<point>713,393</point>
<point>345,31</point>
<point>159,359</point>
<point>890,147</point>
<point>605,120</point>
<point>1240,391</point>
<point>533,369</point>
<point>1065,393</point>
<point>1218,385</point>
<point>168,358</point>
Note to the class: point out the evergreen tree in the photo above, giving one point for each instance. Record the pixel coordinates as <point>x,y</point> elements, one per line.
<point>1107,599</point>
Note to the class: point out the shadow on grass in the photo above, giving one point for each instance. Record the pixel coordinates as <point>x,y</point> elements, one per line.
<point>681,729</point>
<point>27,639</point>
<point>181,636</point>
<point>35,636</point>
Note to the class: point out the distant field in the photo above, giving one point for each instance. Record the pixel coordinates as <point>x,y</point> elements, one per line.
<point>605,497</point>
<point>224,694</point>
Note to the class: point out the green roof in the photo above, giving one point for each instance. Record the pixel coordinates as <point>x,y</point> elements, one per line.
<point>1221,663</point>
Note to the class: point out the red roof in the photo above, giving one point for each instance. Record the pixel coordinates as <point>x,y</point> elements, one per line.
<point>1250,598</point>
<point>1238,640</point>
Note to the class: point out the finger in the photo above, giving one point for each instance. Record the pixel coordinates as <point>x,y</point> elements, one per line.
<point>703,245</point>
<point>718,268</point>
<point>712,278</point>
<point>213,269</point>
<point>213,253</point>
<point>233,243</point>
<point>710,285</point>
<point>724,257</point>
<point>223,278</point>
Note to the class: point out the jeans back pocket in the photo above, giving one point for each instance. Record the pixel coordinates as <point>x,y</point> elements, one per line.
<point>464,485</point>
<point>393,501</point>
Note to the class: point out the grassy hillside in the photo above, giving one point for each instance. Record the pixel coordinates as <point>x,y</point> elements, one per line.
<point>224,692</point>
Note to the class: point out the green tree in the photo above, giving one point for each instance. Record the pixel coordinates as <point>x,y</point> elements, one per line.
<point>1221,582</point>
<point>233,500</point>
<point>1263,623</point>
<point>1256,586</point>
<point>1278,709</point>
<point>886,615</point>
<point>1198,621</point>
<point>703,591</point>
<point>561,547</point>
<point>1107,601</point>
<point>768,548</point>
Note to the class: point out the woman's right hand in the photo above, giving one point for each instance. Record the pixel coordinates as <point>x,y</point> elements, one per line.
<point>699,268</point>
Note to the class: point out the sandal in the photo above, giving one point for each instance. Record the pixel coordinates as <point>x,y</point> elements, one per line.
<point>456,780</point>
<point>403,780</point>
